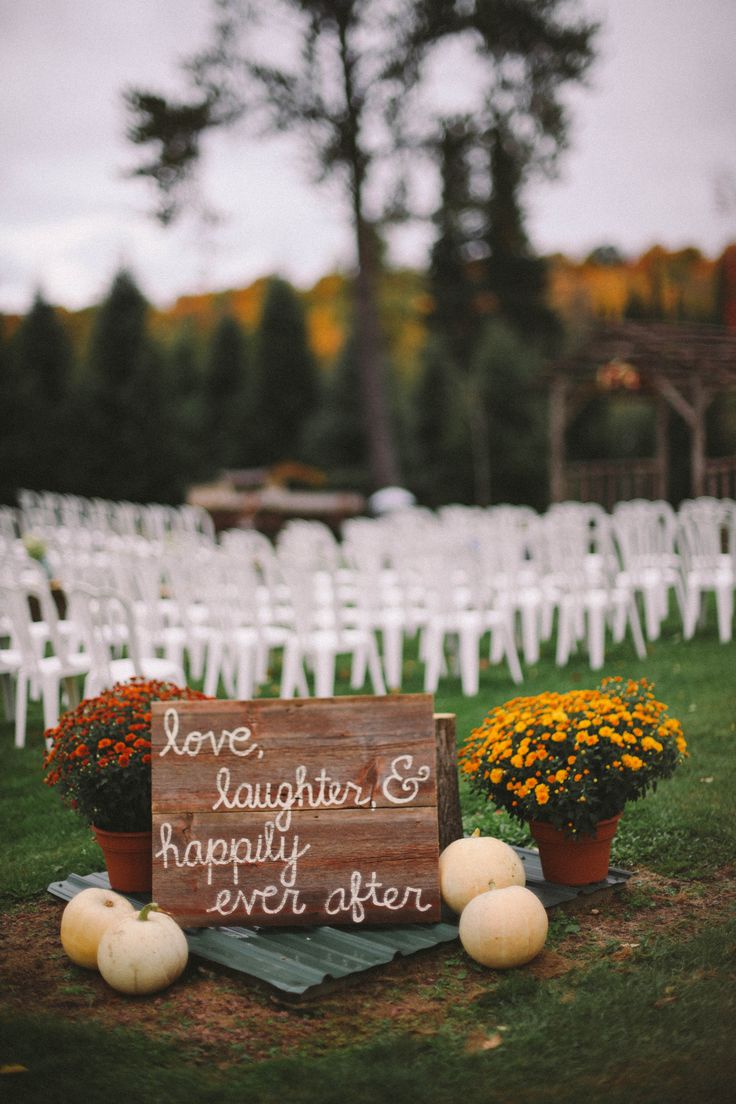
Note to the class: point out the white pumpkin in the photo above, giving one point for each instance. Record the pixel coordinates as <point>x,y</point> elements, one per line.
<point>504,927</point>
<point>475,864</point>
<point>144,953</point>
<point>84,920</point>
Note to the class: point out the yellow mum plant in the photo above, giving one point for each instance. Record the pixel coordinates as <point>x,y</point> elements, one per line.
<point>575,758</point>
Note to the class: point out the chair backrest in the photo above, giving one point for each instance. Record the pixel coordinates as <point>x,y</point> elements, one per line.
<point>16,617</point>
<point>705,531</point>
<point>644,532</point>
<point>107,625</point>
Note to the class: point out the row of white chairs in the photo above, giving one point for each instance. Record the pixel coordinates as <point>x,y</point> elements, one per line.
<point>86,521</point>
<point>221,608</point>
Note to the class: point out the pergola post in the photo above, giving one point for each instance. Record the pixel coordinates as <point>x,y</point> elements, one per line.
<point>684,366</point>
<point>662,445</point>
<point>701,401</point>
<point>693,413</point>
<point>557,423</point>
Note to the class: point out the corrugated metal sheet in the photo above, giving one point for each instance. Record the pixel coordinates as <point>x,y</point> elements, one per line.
<point>298,961</point>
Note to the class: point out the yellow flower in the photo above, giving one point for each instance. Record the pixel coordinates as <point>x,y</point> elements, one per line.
<point>541,793</point>
<point>650,744</point>
<point>496,775</point>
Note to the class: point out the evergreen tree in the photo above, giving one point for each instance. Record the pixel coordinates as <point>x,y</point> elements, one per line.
<point>336,437</point>
<point>450,430</point>
<point>40,378</point>
<point>186,388</point>
<point>442,459</point>
<point>229,429</point>
<point>285,382</point>
<point>9,481</point>
<point>507,369</point>
<point>517,279</point>
<point>725,288</point>
<point>453,279</point>
<point>128,447</point>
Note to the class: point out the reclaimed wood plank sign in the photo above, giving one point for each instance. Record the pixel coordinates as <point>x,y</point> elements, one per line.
<point>299,812</point>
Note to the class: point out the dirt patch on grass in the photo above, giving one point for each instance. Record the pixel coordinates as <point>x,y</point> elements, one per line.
<point>224,1017</point>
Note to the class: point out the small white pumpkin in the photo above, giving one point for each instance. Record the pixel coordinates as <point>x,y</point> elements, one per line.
<point>504,927</point>
<point>144,953</point>
<point>475,864</point>
<point>85,919</point>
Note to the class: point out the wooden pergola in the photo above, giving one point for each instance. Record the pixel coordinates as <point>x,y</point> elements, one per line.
<point>682,366</point>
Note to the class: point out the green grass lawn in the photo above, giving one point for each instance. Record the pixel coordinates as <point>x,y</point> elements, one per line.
<point>647,1018</point>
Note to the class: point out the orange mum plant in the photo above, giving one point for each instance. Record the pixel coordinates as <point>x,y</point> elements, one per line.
<point>100,754</point>
<point>572,759</point>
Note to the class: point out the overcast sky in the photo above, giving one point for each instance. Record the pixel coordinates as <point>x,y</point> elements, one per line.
<point>652,158</point>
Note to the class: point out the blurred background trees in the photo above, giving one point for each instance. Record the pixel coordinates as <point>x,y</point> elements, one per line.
<point>433,377</point>
<point>132,402</point>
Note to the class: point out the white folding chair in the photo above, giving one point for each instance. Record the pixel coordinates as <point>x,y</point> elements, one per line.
<point>110,632</point>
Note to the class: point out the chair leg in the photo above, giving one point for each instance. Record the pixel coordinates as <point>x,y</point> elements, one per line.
<point>652,610</point>
<point>529,632</point>
<point>690,611</point>
<point>8,695</point>
<point>358,667</point>
<point>245,674</point>
<point>196,648</point>
<point>433,658</point>
<point>324,673</point>
<point>50,696</point>
<point>512,656</point>
<point>393,652</point>
<point>213,666</point>
<point>374,667</point>
<point>596,636</point>
<point>724,610</point>
<point>293,679</point>
<point>21,706</point>
<point>636,632</point>
<point>565,635</point>
<point>469,662</point>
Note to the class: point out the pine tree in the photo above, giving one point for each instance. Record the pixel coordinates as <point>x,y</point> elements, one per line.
<point>128,446</point>
<point>186,388</point>
<point>41,376</point>
<point>517,279</point>
<point>507,368</point>
<point>336,437</point>
<point>441,459</point>
<point>285,382</point>
<point>229,428</point>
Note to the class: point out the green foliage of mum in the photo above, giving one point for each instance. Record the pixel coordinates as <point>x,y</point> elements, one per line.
<point>99,757</point>
<point>575,758</point>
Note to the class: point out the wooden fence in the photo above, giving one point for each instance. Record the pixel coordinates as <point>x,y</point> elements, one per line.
<point>611,481</point>
<point>720,477</point>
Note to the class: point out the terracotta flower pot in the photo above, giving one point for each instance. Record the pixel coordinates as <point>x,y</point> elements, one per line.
<point>574,860</point>
<point>128,859</point>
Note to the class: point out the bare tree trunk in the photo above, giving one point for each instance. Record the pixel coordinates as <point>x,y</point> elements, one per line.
<point>479,444</point>
<point>369,342</point>
<point>371,363</point>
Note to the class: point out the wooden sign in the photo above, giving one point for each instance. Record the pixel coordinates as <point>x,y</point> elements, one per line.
<point>299,812</point>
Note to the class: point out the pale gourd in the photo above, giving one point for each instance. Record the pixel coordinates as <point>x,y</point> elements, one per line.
<point>504,927</point>
<point>475,864</point>
<point>144,953</point>
<point>85,919</point>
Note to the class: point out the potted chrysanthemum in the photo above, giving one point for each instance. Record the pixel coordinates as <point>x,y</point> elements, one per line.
<point>568,763</point>
<point>99,759</point>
